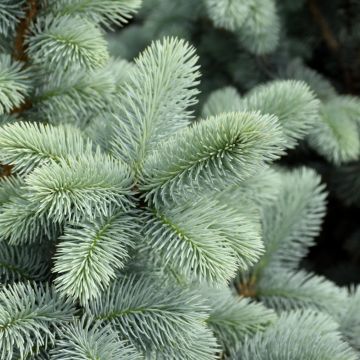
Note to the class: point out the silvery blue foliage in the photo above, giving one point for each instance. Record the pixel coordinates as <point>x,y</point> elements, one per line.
<point>128,230</point>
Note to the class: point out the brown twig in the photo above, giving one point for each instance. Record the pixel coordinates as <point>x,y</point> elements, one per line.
<point>26,105</point>
<point>330,40</point>
<point>329,37</point>
<point>19,54</point>
<point>5,171</point>
<point>20,48</point>
<point>247,288</point>
<point>326,31</point>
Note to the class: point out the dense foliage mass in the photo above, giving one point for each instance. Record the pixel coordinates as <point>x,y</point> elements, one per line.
<point>245,43</point>
<point>132,229</point>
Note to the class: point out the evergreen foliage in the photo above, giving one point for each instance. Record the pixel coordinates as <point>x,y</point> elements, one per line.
<point>14,83</point>
<point>307,327</point>
<point>130,231</point>
<point>246,45</point>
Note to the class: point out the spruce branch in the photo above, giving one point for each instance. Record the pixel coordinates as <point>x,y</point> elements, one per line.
<point>75,97</point>
<point>226,148</point>
<point>233,319</point>
<point>321,86</point>
<point>196,241</point>
<point>223,100</point>
<point>299,332</point>
<point>291,101</point>
<point>21,224</point>
<point>228,14</point>
<point>293,220</point>
<point>164,320</point>
<point>11,11</point>
<point>30,315</point>
<point>155,101</point>
<point>18,263</point>
<point>26,145</point>
<point>88,339</point>
<point>285,290</point>
<point>182,238</point>
<point>16,77</point>
<point>89,254</point>
<point>80,187</point>
<point>260,32</point>
<point>336,135</point>
<point>14,84</point>
<point>103,12</point>
<point>62,43</point>
<point>348,320</point>
<point>256,192</point>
